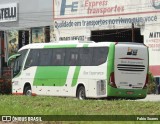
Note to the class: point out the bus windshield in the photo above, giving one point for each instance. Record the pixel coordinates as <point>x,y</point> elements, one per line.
<point>18,62</point>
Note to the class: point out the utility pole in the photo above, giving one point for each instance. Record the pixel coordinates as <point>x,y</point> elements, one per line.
<point>133,33</point>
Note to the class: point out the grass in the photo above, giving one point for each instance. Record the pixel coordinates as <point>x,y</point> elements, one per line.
<point>45,105</point>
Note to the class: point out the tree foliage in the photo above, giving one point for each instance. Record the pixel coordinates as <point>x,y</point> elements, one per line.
<point>151,84</point>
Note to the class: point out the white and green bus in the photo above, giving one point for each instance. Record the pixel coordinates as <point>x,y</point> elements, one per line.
<point>82,70</point>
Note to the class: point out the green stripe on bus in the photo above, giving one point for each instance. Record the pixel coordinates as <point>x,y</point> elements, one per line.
<point>61,46</point>
<point>76,74</point>
<point>85,45</point>
<point>51,76</point>
<point>110,66</point>
<point>77,71</point>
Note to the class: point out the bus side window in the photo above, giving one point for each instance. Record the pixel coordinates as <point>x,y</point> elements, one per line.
<point>71,58</point>
<point>58,56</point>
<point>29,62</point>
<point>85,58</point>
<point>32,59</point>
<point>45,57</point>
<point>58,59</point>
<point>100,55</point>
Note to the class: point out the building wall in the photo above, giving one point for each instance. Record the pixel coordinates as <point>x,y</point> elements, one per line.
<point>75,19</point>
<point>31,13</point>
<point>88,15</point>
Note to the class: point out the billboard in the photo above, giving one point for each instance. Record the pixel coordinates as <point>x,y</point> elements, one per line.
<point>152,40</point>
<point>66,9</point>
<point>8,12</point>
<point>85,16</point>
<point>76,19</point>
<point>22,14</point>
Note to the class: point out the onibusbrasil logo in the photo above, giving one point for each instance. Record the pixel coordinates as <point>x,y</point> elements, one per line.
<point>155,4</point>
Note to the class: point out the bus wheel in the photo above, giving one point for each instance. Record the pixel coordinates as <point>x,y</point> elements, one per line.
<point>27,91</point>
<point>81,93</point>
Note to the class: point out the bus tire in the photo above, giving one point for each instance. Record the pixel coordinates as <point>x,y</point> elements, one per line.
<point>27,91</point>
<point>81,93</point>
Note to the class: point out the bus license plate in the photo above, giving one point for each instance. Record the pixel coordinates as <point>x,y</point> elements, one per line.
<point>130,92</point>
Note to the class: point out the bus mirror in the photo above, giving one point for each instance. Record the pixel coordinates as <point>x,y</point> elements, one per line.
<point>11,58</point>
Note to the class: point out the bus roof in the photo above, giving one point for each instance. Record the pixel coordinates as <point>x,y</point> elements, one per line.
<point>63,43</point>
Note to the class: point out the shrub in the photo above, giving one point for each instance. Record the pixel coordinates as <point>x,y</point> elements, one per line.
<point>151,84</point>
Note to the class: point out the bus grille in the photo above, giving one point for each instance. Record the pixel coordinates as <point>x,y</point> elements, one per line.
<point>101,87</point>
<point>127,67</point>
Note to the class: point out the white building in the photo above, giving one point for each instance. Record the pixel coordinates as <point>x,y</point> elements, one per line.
<point>111,20</point>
